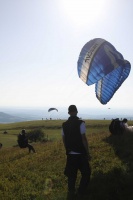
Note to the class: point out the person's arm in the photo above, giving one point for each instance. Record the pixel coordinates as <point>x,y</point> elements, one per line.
<point>85,143</point>
<point>63,138</point>
<point>84,139</point>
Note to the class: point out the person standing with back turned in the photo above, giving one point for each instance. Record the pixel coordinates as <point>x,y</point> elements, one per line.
<point>76,145</point>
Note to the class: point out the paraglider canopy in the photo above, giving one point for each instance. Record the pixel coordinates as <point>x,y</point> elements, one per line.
<point>101,64</point>
<point>50,109</point>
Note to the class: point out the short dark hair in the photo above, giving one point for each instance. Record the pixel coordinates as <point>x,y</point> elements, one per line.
<point>23,130</point>
<point>72,108</point>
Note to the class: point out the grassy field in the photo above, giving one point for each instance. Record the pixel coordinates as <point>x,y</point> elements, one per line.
<point>39,176</point>
<point>51,128</point>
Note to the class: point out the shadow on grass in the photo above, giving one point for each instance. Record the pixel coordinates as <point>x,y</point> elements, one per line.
<point>117,183</point>
<point>114,185</point>
<point>123,147</point>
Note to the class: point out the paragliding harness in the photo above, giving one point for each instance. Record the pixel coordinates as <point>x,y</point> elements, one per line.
<point>115,127</point>
<point>22,141</point>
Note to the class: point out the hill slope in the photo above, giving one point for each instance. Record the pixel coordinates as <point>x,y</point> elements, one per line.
<point>6,118</point>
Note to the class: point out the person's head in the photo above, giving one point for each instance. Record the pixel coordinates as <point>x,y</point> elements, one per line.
<point>124,120</point>
<point>72,110</point>
<point>23,131</point>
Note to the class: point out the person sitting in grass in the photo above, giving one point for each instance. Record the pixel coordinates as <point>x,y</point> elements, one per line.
<point>23,141</point>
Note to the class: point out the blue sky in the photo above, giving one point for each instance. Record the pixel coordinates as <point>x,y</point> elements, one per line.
<point>40,44</point>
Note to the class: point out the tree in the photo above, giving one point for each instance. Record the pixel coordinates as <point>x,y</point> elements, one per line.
<point>36,135</point>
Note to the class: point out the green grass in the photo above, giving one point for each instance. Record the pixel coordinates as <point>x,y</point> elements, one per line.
<point>40,176</point>
<point>52,129</point>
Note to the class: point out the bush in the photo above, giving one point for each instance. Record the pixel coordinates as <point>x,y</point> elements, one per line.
<point>36,135</point>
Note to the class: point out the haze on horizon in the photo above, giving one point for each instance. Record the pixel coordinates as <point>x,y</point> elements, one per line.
<point>40,44</point>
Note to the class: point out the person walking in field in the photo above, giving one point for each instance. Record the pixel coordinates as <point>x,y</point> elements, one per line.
<point>23,141</point>
<point>76,146</point>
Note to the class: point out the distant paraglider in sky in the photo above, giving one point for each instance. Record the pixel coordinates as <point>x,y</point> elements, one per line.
<point>50,109</point>
<point>100,63</point>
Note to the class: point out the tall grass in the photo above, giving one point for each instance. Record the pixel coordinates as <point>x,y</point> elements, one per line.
<point>39,176</point>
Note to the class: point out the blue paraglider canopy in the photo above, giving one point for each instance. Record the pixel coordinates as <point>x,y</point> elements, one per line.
<point>100,63</point>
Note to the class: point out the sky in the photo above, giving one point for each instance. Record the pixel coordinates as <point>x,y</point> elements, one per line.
<point>40,44</point>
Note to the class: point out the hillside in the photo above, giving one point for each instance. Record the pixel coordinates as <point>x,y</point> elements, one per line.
<point>40,176</point>
<point>6,118</point>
